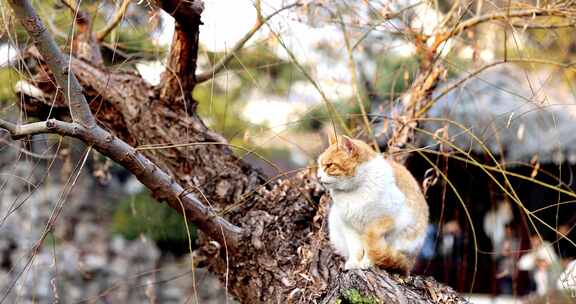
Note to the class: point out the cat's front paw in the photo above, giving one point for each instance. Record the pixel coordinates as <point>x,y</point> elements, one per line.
<point>353,264</point>
<point>365,263</point>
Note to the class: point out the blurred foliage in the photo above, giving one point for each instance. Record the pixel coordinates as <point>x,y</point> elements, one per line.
<point>220,110</point>
<point>258,66</point>
<point>141,214</point>
<point>224,98</point>
<point>393,75</point>
<point>131,37</point>
<point>319,115</point>
<point>8,78</point>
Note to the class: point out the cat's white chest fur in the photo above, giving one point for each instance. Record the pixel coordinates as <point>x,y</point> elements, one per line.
<point>359,200</point>
<point>375,194</point>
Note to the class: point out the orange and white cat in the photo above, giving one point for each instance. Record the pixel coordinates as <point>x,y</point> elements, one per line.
<point>379,215</point>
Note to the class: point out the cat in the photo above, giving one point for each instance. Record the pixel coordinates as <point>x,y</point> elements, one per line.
<point>379,215</point>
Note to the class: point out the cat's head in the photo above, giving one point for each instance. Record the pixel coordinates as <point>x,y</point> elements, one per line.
<point>338,164</point>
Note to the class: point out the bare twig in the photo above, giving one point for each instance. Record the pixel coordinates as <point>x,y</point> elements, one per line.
<point>528,26</point>
<point>79,109</point>
<point>464,25</point>
<point>354,74</point>
<point>101,34</point>
<point>456,84</point>
<point>222,63</point>
<point>329,106</point>
<point>26,152</point>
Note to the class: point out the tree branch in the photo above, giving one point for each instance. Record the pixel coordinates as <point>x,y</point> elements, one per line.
<point>163,186</point>
<point>101,34</point>
<point>507,15</point>
<point>178,80</point>
<point>224,60</point>
<point>79,109</point>
<point>19,131</point>
<point>155,179</point>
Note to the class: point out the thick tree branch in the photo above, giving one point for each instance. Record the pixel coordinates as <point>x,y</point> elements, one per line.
<point>79,109</point>
<point>118,16</point>
<point>164,187</point>
<point>178,80</point>
<point>221,64</point>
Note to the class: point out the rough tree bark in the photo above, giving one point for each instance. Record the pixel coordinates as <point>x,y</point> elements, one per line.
<point>271,242</point>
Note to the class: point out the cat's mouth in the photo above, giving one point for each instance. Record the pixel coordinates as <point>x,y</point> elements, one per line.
<point>327,182</point>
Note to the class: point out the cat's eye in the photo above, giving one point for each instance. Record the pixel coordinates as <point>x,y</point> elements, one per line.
<point>328,165</point>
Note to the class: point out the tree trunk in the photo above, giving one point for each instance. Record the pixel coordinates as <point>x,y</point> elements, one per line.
<point>283,253</point>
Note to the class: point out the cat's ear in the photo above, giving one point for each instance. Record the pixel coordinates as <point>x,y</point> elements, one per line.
<point>349,145</point>
<point>332,139</point>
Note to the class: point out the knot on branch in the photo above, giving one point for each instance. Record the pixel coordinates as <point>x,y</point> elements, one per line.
<point>33,25</point>
<point>51,124</point>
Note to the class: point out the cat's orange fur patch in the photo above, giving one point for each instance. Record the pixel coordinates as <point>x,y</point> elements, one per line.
<point>379,252</point>
<point>344,155</point>
<point>414,199</point>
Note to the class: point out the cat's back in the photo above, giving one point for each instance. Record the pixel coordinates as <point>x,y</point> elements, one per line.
<point>408,185</point>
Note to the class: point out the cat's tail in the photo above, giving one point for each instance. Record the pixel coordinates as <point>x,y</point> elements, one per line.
<point>381,254</point>
<point>390,259</point>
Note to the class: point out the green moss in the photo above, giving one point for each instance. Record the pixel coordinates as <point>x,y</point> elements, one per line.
<point>140,214</point>
<point>353,296</point>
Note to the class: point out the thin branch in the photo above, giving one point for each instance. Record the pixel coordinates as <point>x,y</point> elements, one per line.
<point>528,26</point>
<point>19,131</point>
<point>507,15</point>
<point>25,151</point>
<point>224,60</point>
<point>354,73</point>
<point>456,84</point>
<point>79,109</point>
<point>386,18</point>
<point>101,34</point>
<point>329,106</point>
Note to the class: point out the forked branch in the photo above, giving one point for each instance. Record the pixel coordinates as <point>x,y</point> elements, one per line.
<point>79,109</point>
<point>84,127</point>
